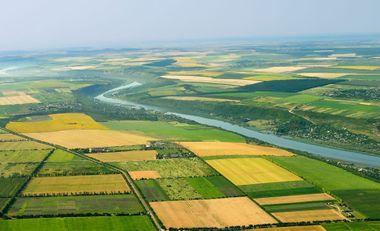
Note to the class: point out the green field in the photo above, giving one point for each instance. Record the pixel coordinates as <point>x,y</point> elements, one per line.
<point>224,186</point>
<point>353,226</point>
<point>178,189</point>
<point>10,185</point>
<point>171,168</point>
<point>175,131</point>
<point>279,189</point>
<point>151,190</point>
<point>3,203</point>
<point>296,207</point>
<point>114,223</point>
<point>22,145</point>
<point>204,187</point>
<point>359,193</point>
<point>69,205</point>
<point>17,170</point>
<point>23,156</point>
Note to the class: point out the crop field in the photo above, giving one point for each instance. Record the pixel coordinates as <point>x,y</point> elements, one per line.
<point>106,223</point>
<point>3,202</point>
<point>359,193</point>
<point>125,156</point>
<point>22,145</point>
<point>169,168</point>
<point>138,175</point>
<point>10,137</point>
<point>219,213</point>
<point>283,69</point>
<point>178,189</point>
<point>295,228</point>
<point>151,190</point>
<point>294,199</point>
<point>324,75</point>
<point>90,138</point>
<point>10,185</point>
<point>194,98</point>
<point>20,98</point>
<point>354,226</point>
<point>56,122</point>
<point>17,169</point>
<point>174,130</point>
<point>199,79</point>
<point>245,171</point>
<point>22,156</point>
<point>309,215</point>
<point>55,206</point>
<point>297,207</point>
<point>204,149</point>
<point>76,185</point>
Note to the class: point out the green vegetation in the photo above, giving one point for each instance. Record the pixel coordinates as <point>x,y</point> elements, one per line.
<point>353,226</point>
<point>175,130</point>
<point>171,168</point>
<point>359,193</point>
<point>178,189</point>
<point>296,207</point>
<point>70,205</point>
<point>151,190</point>
<point>22,156</point>
<point>205,187</point>
<point>10,185</point>
<point>114,223</point>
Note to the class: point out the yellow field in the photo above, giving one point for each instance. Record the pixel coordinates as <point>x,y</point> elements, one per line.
<point>245,171</point>
<point>138,175</point>
<point>188,62</point>
<point>125,156</point>
<point>217,213</point>
<point>10,137</point>
<point>324,75</point>
<point>199,79</point>
<point>280,69</point>
<point>73,185</point>
<point>293,228</point>
<point>90,138</point>
<point>57,122</point>
<point>366,68</point>
<point>19,98</point>
<point>207,99</point>
<point>229,148</point>
<point>309,215</point>
<point>196,73</point>
<point>22,145</point>
<point>294,199</point>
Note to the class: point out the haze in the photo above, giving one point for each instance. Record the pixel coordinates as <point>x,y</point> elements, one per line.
<point>36,24</point>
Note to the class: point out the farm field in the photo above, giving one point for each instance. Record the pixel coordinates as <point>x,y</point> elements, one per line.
<point>125,156</point>
<point>309,215</point>
<point>76,185</point>
<point>245,171</point>
<point>22,145</point>
<point>23,156</point>
<point>10,185</point>
<point>118,223</point>
<point>353,226</point>
<point>294,199</point>
<point>17,169</point>
<point>205,149</point>
<point>90,138</point>
<point>151,190</point>
<point>175,131</point>
<point>170,168</point>
<point>295,228</point>
<point>199,79</point>
<point>217,213</point>
<point>359,193</point>
<point>20,98</point>
<point>10,137</point>
<point>55,206</point>
<point>139,175</point>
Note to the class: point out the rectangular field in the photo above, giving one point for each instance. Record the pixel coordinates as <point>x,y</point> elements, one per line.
<point>151,190</point>
<point>55,206</point>
<point>218,213</point>
<point>9,186</point>
<point>295,199</point>
<point>245,171</point>
<point>23,156</point>
<point>199,79</point>
<point>22,145</point>
<point>294,228</point>
<point>138,175</point>
<point>125,156</point>
<point>228,148</point>
<point>76,185</point>
<point>309,216</point>
<point>17,99</point>
<point>10,137</point>
<point>90,138</point>
<point>17,169</point>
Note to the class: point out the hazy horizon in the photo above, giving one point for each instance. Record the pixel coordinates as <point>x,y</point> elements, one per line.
<point>43,24</point>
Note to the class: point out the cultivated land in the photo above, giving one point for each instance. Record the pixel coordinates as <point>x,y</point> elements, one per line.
<point>199,79</point>
<point>138,175</point>
<point>228,148</point>
<point>294,199</point>
<point>90,138</point>
<point>17,98</point>
<point>218,213</point>
<point>76,185</point>
<point>295,228</point>
<point>244,171</point>
<point>125,156</point>
<point>309,215</point>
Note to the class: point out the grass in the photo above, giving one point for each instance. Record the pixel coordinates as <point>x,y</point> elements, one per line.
<point>57,122</point>
<point>171,168</point>
<point>151,190</point>
<point>114,223</point>
<point>353,226</point>
<point>22,156</point>
<point>10,185</point>
<point>204,187</point>
<point>174,130</point>
<point>359,193</point>
<point>279,189</point>
<point>178,189</point>
<point>68,205</point>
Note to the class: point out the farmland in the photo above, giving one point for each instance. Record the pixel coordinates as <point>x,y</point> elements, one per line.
<point>125,156</point>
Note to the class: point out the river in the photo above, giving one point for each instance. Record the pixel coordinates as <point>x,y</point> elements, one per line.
<point>350,156</point>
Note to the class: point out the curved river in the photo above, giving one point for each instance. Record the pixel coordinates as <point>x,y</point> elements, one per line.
<point>355,157</point>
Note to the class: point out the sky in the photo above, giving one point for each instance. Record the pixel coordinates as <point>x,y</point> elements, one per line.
<point>35,24</point>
